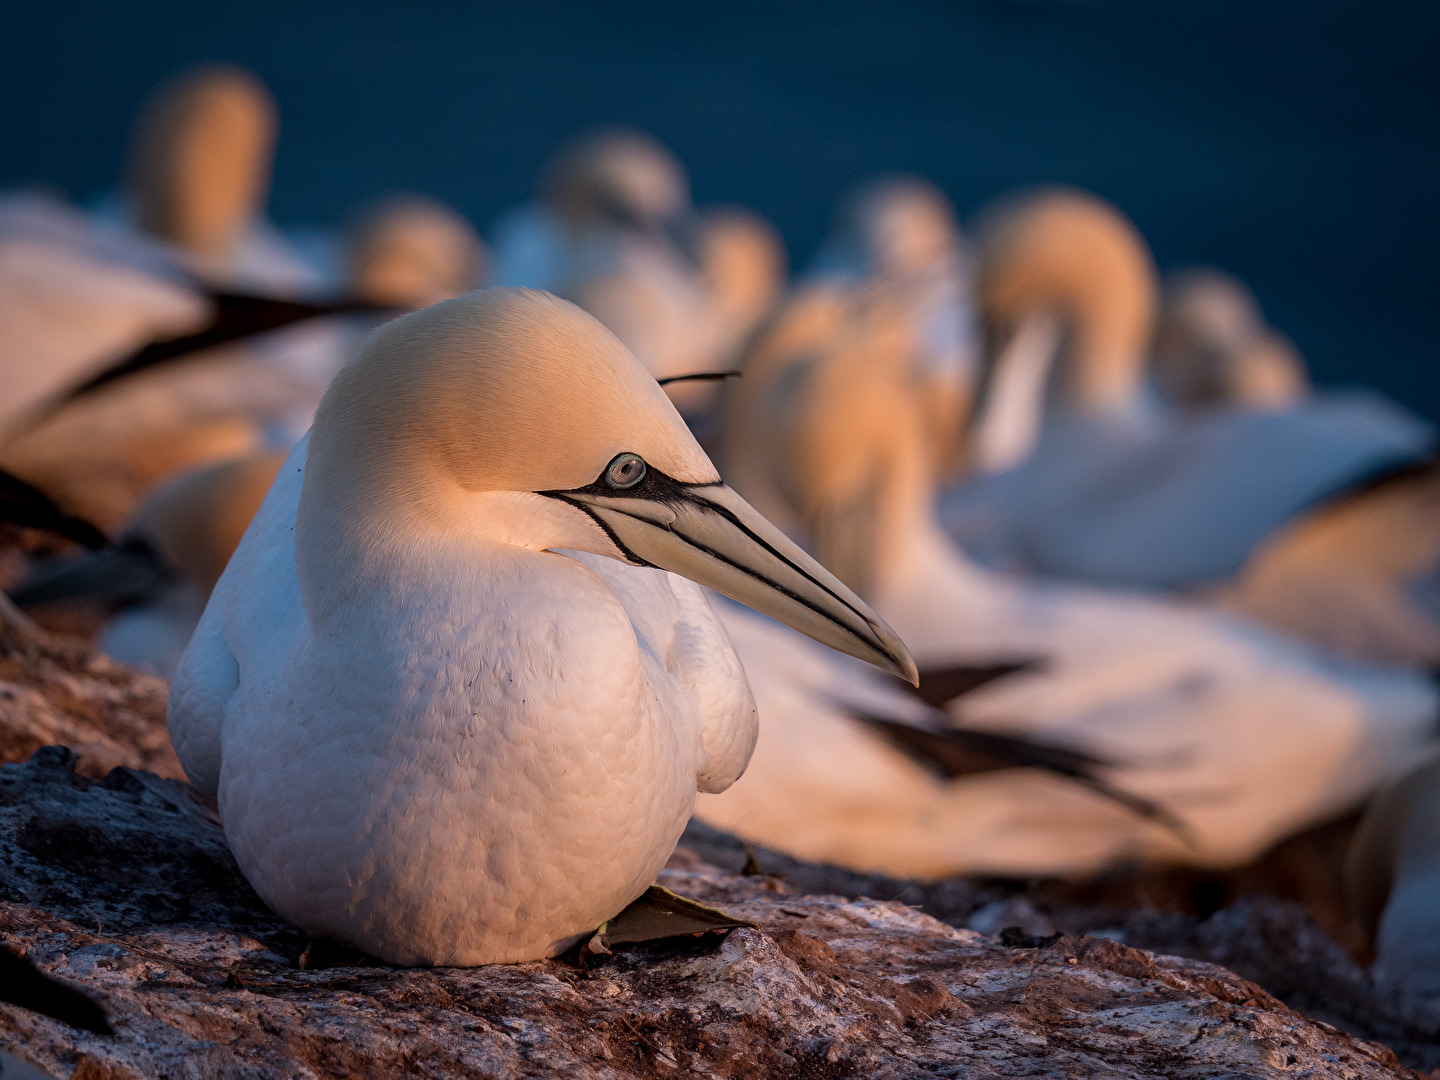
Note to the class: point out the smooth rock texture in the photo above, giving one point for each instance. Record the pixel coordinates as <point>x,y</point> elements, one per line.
<point>124,888</point>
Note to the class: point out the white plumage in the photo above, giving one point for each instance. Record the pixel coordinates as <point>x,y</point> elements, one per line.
<point>430,735</point>
<point>1241,734</point>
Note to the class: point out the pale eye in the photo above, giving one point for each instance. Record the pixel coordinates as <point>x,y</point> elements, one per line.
<point>624,471</point>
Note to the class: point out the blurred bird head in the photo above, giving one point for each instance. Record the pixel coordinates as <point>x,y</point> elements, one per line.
<point>617,175</point>
<point>1213,347</point>
<point>901,226</point>
<point>411,251</point>
<point>744,264</point>
<point>1072,255</point>
<point>200,159</point>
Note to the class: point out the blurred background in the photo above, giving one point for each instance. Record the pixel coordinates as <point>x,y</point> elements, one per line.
<point>1291,143</point>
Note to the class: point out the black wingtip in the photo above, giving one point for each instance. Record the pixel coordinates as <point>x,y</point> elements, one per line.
<point>941,685</point>
<point>21,984</point>
<point>24,504</point>
<point>118,575</point>
<point>952,753</point>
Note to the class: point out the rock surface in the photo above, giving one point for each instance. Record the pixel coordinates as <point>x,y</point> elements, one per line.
<point>58,689</point>
<point>124,887</point>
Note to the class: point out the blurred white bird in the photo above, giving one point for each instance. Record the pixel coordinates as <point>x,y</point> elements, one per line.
<point>1116,489</point>
<point>1239,733</point>
<point>430,734</point>
<point>615,233</point>
<point>198,177</point>
<point>896,243</point>
<point>1213,348</point>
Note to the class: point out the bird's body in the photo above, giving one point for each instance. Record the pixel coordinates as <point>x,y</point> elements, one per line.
<point>1240,734</point>
<point>431,734</point>
<point>1200,712</point>
<point>500,702</point>
<point>1153,500</point>
<point>1118,490</point>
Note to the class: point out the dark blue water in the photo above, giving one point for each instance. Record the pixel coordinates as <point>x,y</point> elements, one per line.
<point>1294,143</point>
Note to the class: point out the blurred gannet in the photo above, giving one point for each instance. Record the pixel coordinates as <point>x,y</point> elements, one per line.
<point>1214,348</point>
<point>430,733</point>
<point>896,244</point>
<point>609,235</point>
<point>1116,490</point>
<point>1358,575</point>
<point>72,302</point>
<point>221,391</point>
<point>198,177</point>
<point>1241,734</point>
<point>1392,879</point>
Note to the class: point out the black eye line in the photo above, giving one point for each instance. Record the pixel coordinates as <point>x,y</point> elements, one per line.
<point>657,486</point>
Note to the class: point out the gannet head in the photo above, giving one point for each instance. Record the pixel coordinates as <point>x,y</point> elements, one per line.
<point>515,416</point>
<point>902,225</point>
<point>743,260</point>
<point>200,159</point>
<point>411,251</point>
<point>1213,346</point>
<point>1073,254</point>
<point>617,175</point>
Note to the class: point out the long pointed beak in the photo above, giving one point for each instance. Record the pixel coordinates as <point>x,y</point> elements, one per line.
<point>707,533</point>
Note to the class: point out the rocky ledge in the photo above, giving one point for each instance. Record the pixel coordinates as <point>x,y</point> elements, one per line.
<point>123,887</point>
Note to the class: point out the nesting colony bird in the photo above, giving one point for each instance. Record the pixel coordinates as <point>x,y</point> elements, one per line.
<point>403,253</point>
<point>612,234</point>
<point>199,175</point>
<point>431,732</point>
<point>1214,348</point>
<point>191,221</point>
<point>896,245</point>
<point>410,251</point>
<point>1358,575</point>
<point>1115,489</point>
<point>1197,712</point>
<point>73,300</point>
<point>1392,879</point>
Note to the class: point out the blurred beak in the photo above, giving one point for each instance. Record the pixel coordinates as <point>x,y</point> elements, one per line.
<point>707,533</point>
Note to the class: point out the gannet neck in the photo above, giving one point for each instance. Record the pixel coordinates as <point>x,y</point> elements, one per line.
<point>1070,252</point>
<point>200,160</point>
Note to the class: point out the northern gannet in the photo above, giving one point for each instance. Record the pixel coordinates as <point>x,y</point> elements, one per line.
<point>430,732</point>
<point>1358,575</point>
<point>198,176</point>
<point>611,234</point>
<point>1118,490</point>
<point>897,246</point>
<point>1392,879</point>
<point>72,301</point>
<point>1243,735</point>
<point>1214,348</point>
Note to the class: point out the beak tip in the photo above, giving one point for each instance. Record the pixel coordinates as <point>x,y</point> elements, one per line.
<point>901,662</point>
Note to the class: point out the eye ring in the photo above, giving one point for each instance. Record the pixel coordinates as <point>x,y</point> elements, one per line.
<point>624,471</point>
